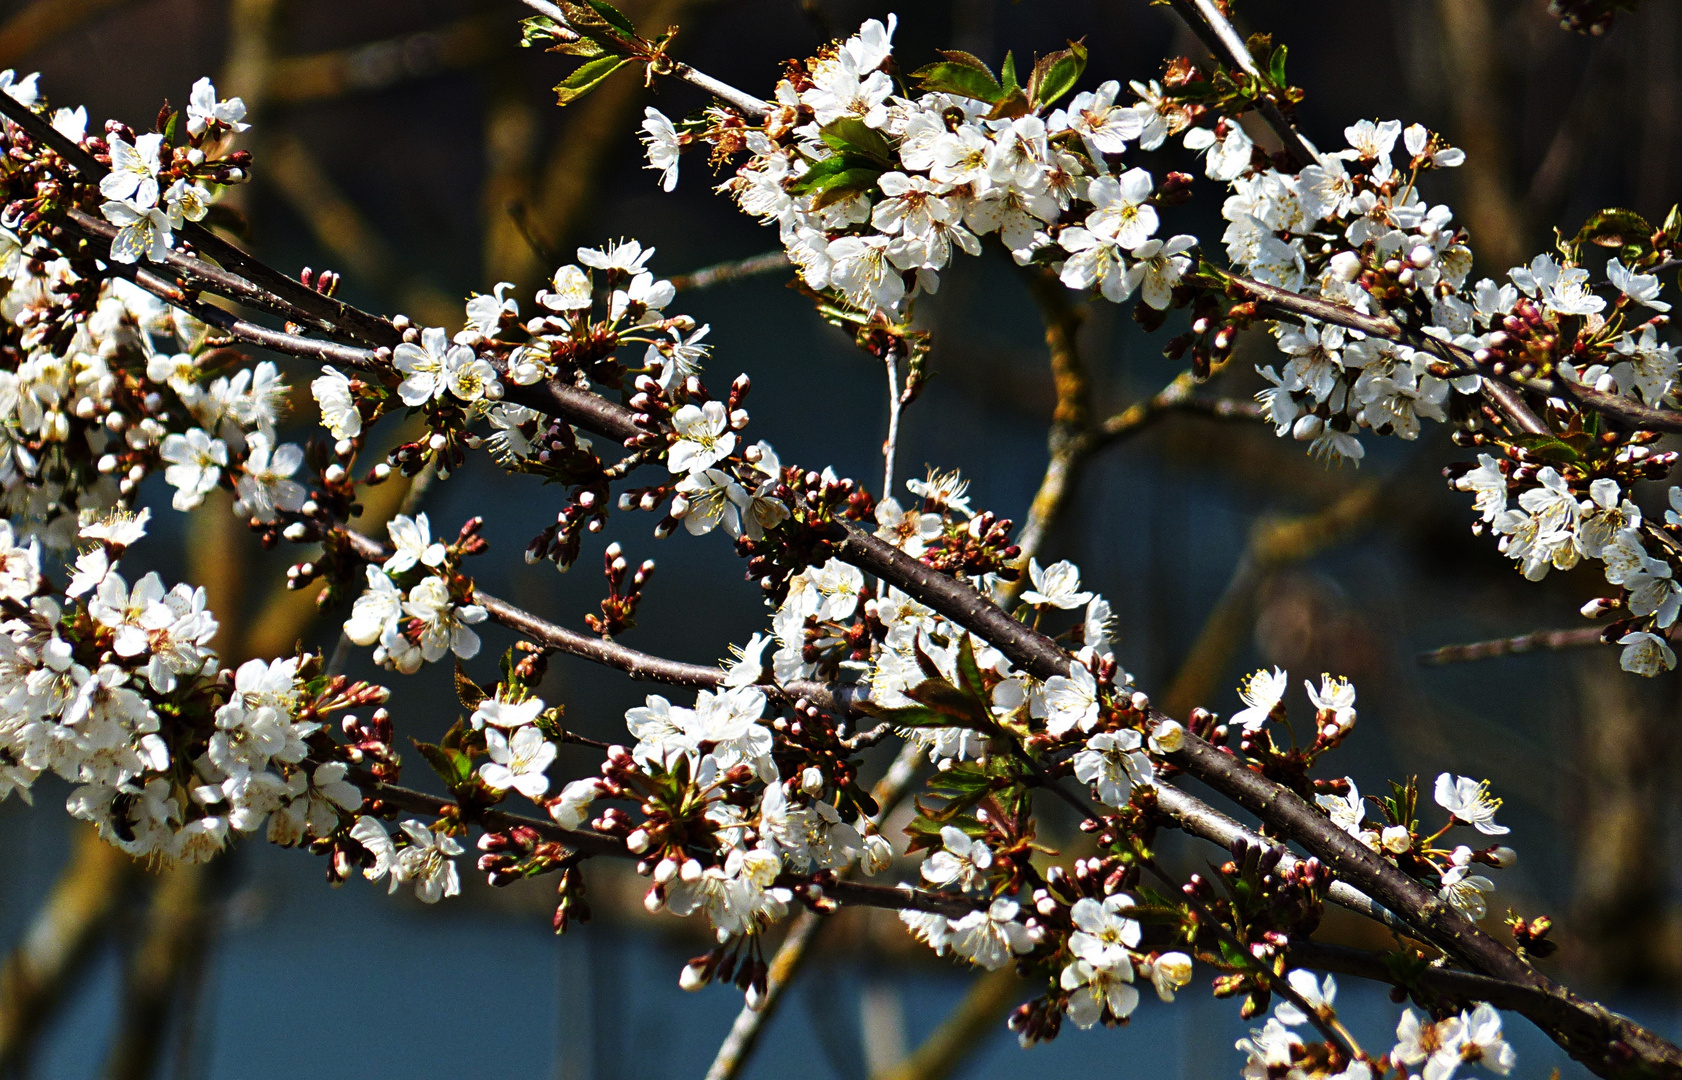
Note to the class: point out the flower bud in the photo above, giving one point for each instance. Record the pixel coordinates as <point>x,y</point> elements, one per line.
<point>637,842</point>
<point>1395,839</point>
<point>1307,427</point>
<point>878,854</point>
<point>811,781</point>
<point>1346,266</point>
<point>1168,737</point>
<point>1504,857</point>
<point>693,978</point>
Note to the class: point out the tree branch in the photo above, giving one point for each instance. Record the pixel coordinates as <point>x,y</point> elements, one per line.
<point>1603,1040</point>
<point>745,102</point>
<point>726,272</point>
<point>638,665</point>
<point>1536,641</point>
<point>333,315</point>
<point>1205,19</point>
<point>592,843</point>
<point>733,1053</point>
<point>1501,395</point>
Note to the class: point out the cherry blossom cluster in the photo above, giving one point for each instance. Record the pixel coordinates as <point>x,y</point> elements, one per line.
<point>162,179</point>
<point>114,688</point>
<point>745,803</point>
<point>873,191</point>
<point>1282,1046</point>
<point>1353,230</point>
<point>102,383</point>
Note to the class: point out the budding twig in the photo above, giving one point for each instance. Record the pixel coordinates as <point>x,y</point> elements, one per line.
<point>1536,641</point>
<point>1205,19</point>
<point>733,1053</point>
<point>726,272</point>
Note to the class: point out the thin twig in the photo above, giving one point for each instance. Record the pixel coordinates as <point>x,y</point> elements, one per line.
<point>735,270</point>
<point>890,445</point>
<point>855,893</point>
<point>1536,641</point>
<point>733,1053</point>
<point>1206,20</point>
<point>638,665</point>
<point>742,100</point>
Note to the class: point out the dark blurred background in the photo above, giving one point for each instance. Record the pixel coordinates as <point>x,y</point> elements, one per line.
<point>410,145</point>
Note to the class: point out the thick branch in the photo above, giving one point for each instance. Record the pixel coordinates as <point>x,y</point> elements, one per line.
<point>1594,1035</point>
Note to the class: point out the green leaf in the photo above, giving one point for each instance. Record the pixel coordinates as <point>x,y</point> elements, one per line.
<point>1013,104</point>
<point>968,669</point>
<point>1563,449</point>
<point>1276,67</point>
<point>1056,74</point>
<point>545,33</point>
<point>838,176</point>
<point>172,129</point>
<point>961,708</point>
<point>1007,74</point>
<point>852,134</point>
<point>848,183</point>
<point>587,76</point>
<point>961,74</point>
<point>614,16</point>
<point>1615,228</point>
<point>467,690</point>
<point>1673,223</point>
<point>455,767</point>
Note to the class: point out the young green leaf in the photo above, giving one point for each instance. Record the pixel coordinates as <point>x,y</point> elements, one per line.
<point>1276,67</point>
<point>852,134</point>
<point>587,76</point>
<point>614,16</point>
<point>1056,74</point>
<point>961,74</point>
<point>467,690</point>
<point>455,767</point>
<point>1007,74</point>
<point>1013,104</point>
<point>1616,228</point>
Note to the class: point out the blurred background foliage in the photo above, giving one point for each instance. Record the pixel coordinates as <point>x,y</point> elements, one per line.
<point>410,145</point>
